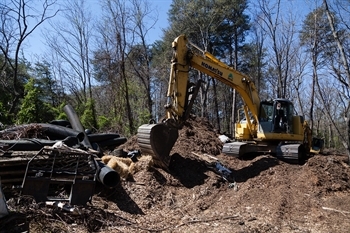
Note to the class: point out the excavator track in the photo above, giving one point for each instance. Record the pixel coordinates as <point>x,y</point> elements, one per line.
<point>292,153</point>
<point>157,140</point>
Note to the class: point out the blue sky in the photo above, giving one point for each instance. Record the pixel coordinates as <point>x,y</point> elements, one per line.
<point>163,7</point>
<point>35,44</point>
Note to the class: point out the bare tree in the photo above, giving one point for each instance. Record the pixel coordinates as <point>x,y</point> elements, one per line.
<point>300,75</point>
<point>315,37</point>
<point>343,11</point>
<point>281,32</point>
<point>19,18</point>
<point>258,55</point>
<point>343,76</point>
<point>123,58</point>
<point>141,59</point>
<point>70,39</point>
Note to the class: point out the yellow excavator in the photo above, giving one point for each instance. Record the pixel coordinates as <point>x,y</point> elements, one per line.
<point>269,127</point>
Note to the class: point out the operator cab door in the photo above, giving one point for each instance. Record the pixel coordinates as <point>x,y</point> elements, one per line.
<point>276,116</point>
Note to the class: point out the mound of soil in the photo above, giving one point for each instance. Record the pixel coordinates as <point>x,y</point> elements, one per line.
<point>197,135</point>
<point>266,195</point>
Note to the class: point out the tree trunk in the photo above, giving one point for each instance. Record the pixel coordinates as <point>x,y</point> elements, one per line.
<point>348,129</point>
<point>312,97</point>
<point>216,106</point>
<point>126,92</point>
<point>234,115</point>
<point>227,126</point>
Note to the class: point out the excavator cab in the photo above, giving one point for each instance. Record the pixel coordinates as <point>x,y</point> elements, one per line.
<point>283,114</point>
<point>276,116</point>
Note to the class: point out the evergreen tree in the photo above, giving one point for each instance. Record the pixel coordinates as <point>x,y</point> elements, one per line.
<point>219,27</point>
<point>316,34</point>
<point>33,108</point>
<point>52,92</point>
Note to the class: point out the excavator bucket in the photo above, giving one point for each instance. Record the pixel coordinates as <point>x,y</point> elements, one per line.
<point>157,140</point>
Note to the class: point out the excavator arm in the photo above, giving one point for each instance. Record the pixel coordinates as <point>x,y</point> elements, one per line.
<point>184,58</point>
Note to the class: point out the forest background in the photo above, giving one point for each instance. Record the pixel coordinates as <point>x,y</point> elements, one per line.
<point>99,59</point>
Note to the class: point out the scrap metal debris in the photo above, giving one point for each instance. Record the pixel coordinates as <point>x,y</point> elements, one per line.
<point>64,206</point>
<point>3,206</point>
<point>216,166</point>
<point>61,167</point>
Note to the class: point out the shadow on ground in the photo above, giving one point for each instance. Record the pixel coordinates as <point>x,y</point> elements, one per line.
<point>119,196</point>
<point>189,172</point>
<point>253,170</point>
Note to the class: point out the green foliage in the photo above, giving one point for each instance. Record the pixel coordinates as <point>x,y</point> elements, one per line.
<point>60,114</point>
<point>52,93</point>
<point>4,119</point>
<point>144,117</point>
<point>33,109</point>
<point>36,96</point>
<point>9,88</point>
<point>88,118</point>
<point>316,32</point>
<point>5,98</point>
<point>104,123</point>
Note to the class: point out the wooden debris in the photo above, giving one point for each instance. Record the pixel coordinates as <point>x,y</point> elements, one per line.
<point>335,210</point>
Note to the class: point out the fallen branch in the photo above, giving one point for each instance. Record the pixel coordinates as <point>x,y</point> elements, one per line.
<point>339,211</point>
<point>182,224</point>
<point>344,164</point>
<point>206,220</point>
<point>206,158</point>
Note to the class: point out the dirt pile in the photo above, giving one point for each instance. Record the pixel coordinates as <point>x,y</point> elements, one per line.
<point>268,196</point>
<point>197,135</point>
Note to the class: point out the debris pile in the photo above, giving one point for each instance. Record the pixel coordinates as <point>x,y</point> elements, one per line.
<point>123,166</point>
